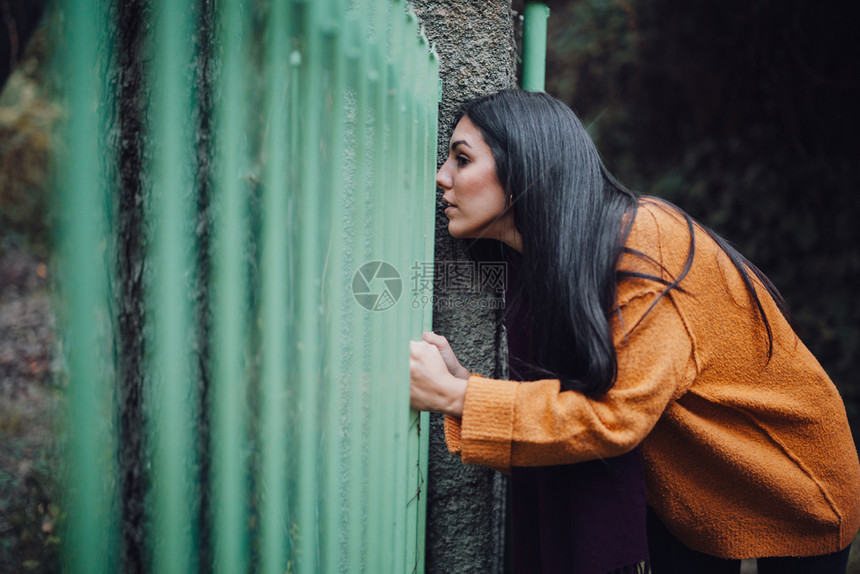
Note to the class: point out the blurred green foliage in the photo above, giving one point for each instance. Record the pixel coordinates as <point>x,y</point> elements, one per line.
<point>744,113</point>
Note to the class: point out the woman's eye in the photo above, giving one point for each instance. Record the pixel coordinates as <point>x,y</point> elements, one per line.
<point>462,160</point>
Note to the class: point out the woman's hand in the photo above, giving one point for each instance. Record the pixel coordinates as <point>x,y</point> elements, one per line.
<point>441,343</point>
<point>432,386</point>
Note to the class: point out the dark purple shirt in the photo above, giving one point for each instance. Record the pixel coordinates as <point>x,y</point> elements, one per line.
<point>585,518</point>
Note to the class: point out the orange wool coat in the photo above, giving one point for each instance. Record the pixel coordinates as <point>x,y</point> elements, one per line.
<point>743,457</point>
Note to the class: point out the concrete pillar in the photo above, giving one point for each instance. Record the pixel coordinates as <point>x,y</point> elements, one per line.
<point>466,508</point>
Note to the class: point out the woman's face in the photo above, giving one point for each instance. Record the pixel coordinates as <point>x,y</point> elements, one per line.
<point>472,192</point>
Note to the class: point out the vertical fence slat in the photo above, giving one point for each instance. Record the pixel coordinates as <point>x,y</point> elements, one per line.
<point>337,298</point>
<point>418,205</point>
<point>294,154</point>
<point>230,512</point>
<point>273,312</point>
<point>395,365</point>
<point>170,369</point>
<point>84,289</point>
<point>308,288</point>
<point>376,220</point>
<point>403,38</point>
<point>431,134</point>
<point>356,456</point>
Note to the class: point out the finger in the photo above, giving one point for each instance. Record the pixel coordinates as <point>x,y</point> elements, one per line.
<point>440,343</point>
<point>430,347</point>
<point>418,348</point>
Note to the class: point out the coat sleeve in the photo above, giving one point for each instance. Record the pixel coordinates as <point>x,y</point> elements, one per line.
<point>509,423</point>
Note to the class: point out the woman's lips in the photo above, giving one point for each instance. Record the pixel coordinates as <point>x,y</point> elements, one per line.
<point>450,207</point>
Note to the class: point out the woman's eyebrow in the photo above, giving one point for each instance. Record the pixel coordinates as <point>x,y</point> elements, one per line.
<point>458,142</point>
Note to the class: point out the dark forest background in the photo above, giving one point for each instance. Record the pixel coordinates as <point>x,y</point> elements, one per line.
<point>745,114</point>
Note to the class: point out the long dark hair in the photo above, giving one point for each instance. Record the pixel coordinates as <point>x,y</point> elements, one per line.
<point>574,218</point>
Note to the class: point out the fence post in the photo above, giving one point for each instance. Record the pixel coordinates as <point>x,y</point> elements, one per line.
<point>534,46</point>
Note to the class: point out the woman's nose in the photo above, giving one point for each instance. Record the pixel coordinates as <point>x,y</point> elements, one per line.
<point>443,178</point>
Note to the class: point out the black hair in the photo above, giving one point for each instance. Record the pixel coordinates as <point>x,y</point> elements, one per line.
<point>574,218</point>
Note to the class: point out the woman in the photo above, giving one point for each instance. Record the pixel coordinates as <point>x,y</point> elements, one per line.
<point>646,333</point>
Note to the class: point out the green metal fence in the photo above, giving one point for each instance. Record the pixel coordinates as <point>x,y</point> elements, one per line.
<point>317,216</point>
